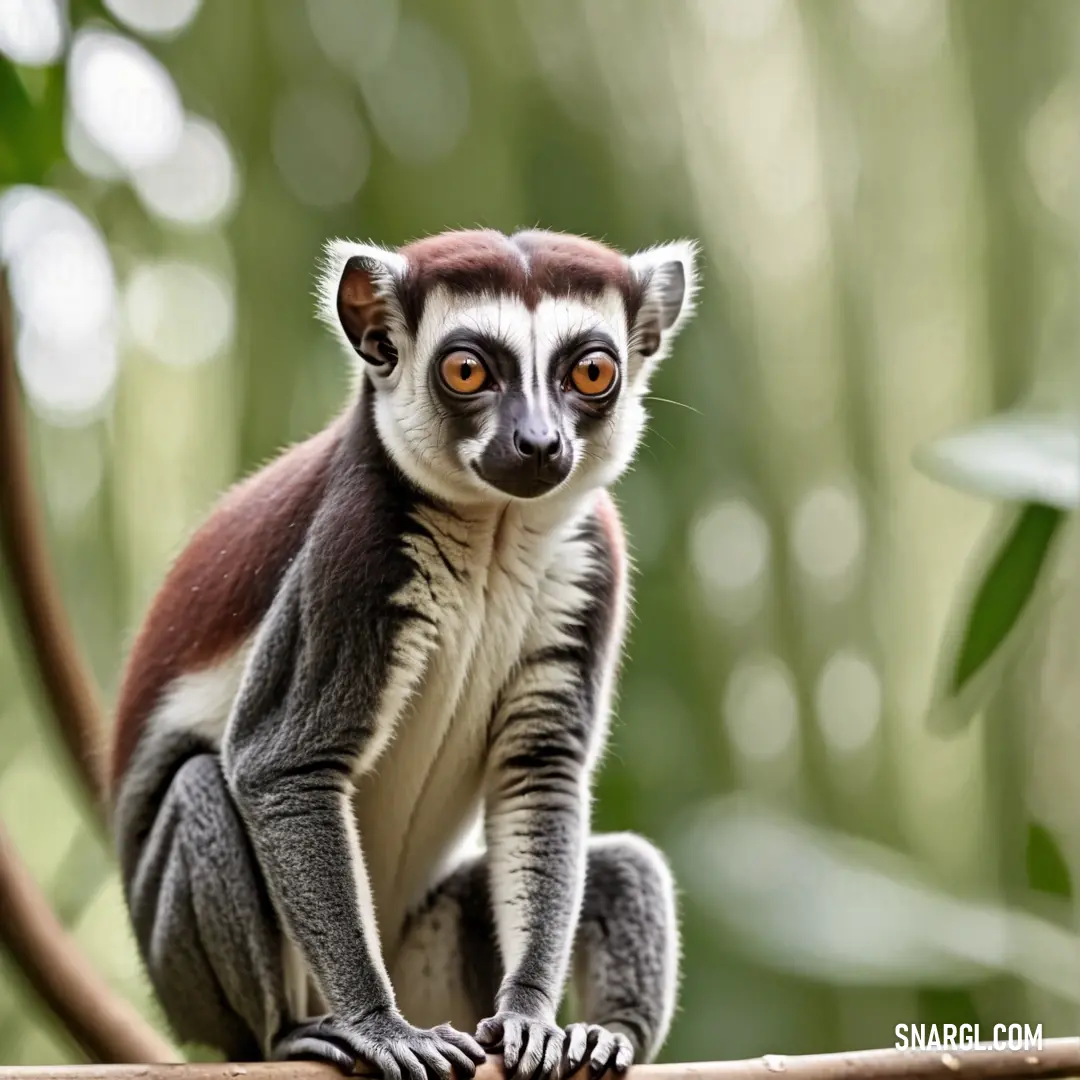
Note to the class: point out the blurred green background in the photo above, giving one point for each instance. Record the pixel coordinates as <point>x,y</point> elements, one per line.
<point>887,194</point>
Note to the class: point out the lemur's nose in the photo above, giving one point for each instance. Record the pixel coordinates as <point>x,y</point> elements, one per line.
<point>539,442</point>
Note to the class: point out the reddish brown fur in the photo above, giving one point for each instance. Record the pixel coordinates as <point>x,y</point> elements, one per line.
<point>528,265</point>
<point>223,583</point>
<point>611,522</point>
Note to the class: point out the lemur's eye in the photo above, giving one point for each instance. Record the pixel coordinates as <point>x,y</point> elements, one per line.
<point>464,373</point>
<point>593,374</point>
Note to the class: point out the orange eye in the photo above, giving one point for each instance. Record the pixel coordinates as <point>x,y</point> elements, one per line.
<point>594,374</point>
<point>464,373</point>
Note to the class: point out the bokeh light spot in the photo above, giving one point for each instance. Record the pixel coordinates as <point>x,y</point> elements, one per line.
<point>86,155</point>
<point>64,285</point>
<point>321,147</point>
<point>419,98</point>
<point>63,288</point>
<point>1052,150</point>
<point>31,31</point>
<point>848,701</point>
<point>197,183</point>
<point>355,34</point>
<point>827,532</point>
<point>181,313</point>
<point>124,98</point>
<point>760,709</point>
<point>155,18</point>
<point>729,546</point>
<point>68,382</point>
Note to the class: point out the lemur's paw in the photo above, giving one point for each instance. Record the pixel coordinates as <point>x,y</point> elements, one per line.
<point>387,1042</point>
<point>532,1049</point>
<point>314,1042</point>
<point>604,1049</point>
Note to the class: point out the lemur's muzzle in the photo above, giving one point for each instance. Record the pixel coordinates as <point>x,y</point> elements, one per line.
<point>527,457</point>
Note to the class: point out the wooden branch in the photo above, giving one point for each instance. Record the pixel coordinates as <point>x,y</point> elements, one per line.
<point>1057,1058</point>
<point>66,681</point>
<point>103,1023</point>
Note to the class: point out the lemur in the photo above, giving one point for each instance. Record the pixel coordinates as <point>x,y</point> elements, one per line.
<point>403,627</point>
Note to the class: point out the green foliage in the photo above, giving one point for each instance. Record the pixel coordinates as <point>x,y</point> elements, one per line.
<point>31,122</point>
<point>1004,591</point>
<point>1047,870</point>
<point>1015,456</point>
<point>935,1005</point>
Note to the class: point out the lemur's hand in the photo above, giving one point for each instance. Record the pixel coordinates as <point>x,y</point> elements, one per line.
<point>532,1048</point>
<point>387,1041</point>
<point>604,1049</point>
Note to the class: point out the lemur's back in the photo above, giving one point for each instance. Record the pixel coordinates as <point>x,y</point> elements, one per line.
<point>223,582</point>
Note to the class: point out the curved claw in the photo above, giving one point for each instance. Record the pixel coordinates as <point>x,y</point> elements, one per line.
<point>462,1041</point>
<point>389,1043</point>
<point>532,1049</point>
<point>312,1042</point>
<point>604,1050</point>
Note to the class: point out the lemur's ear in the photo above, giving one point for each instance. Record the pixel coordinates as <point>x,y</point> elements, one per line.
<point>668,276</point>
<point>358,298</point>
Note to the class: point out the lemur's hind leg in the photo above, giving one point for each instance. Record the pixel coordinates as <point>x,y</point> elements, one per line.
<point>625,965</point>
<point>626,954</point>
<point>204,922</point>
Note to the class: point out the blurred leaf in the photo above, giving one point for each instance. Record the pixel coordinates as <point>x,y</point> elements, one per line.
<point>1017,456</point>
<point>1004,591</point>
<point>1047,870</point>
<point>825,904</point>
<point>945,1005</point>
<point>31,122</point>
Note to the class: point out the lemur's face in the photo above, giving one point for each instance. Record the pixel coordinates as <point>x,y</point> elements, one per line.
<point>508,366</point>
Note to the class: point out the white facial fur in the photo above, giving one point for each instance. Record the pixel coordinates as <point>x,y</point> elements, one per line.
<point>413,421</point>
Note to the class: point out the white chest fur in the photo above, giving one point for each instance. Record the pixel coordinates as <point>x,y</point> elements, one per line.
<point>478,590</point>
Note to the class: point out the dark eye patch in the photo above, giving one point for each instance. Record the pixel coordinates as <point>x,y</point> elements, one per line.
<point>464,414</point>
<point>501,361</point>
<point>577,345</point>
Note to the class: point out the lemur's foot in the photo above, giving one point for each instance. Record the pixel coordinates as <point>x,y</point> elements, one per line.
<point>314,1041</point>
<point>604,1049</point>
<point>532,1049</point>
<point>388,1043</point>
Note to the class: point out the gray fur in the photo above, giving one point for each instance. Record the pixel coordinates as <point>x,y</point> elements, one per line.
<point>203,920</point>
<point>624,961</point>
<point>293,867</point>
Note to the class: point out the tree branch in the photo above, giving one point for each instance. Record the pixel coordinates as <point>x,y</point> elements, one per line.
<point>1057,1058</point>
<point>103,1024</point>
<point>64,677</point>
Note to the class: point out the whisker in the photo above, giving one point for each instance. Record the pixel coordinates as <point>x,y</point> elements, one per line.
<point>669,401</point>
<point>663,439</point>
